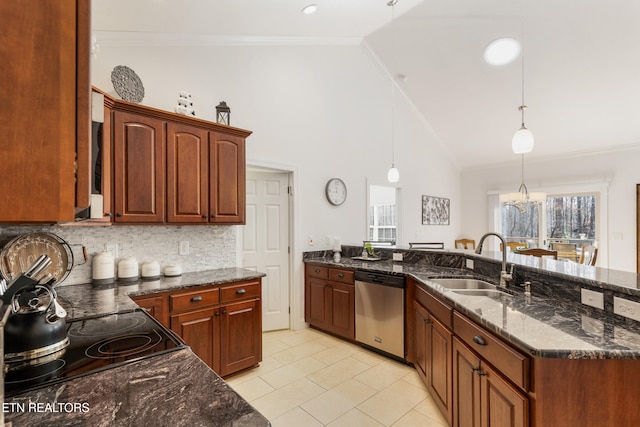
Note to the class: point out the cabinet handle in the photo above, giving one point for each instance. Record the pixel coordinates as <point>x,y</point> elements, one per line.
<point>479,372</point>
<point>241,291</point>
<point>196,298</point>
<point>119,214</point>
<point>316,270</point>
<point>340,275</point>
<point>217,313</point>
<point>479,340</point>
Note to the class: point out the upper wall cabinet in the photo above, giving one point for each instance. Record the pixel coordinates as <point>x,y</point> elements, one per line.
<point>170,168</point>
<point>45,110</point>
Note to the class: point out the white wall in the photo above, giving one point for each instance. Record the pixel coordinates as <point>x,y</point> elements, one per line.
<point>618,168</point>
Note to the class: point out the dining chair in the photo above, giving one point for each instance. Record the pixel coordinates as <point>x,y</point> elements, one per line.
<point>465,244</point>
<point>514,245</point>
<point>539,252</point>
<point>426,245</point>
<point>566,250</point>
<point>588,255</point>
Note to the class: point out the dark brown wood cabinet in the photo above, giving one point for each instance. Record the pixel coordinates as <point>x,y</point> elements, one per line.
<point>45,112</point>
<point>139,168</point>
<point>170,168</point>
<point>330,300</point>
<point>221,323</point>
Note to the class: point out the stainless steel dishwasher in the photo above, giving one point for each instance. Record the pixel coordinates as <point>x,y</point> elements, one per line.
<point>380,312</point>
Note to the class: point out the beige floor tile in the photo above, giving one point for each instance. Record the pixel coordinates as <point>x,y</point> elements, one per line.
<point>298,352</point>
<point>369,357</point>
<point>415,418</point>
<point>339,400</point>
<point>383,374</point>
<point>330,341</point>
<point>428,408</point>
<point>413,378</point>
<point>338,373</point>
<point>253,388</point>
<point>390,404</point>
<point>296,418</point>
<point>301,336</point>
<point>355,418</point>
<point>273,346</point>
<point>294,371</point>
<point>283,400</point>
<point>268,364</point>
<point>336,353</point>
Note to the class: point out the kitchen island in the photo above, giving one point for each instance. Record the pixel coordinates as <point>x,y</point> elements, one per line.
<point>174,388</point>
<point>540,360</point>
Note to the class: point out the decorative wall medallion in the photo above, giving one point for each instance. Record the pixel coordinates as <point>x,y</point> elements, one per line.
<point>127,83</point>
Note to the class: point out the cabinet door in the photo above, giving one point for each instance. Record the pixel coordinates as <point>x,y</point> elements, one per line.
<point>44,111</point>
<point>138,168</point>
<point>317,304</point>
<point>226,179</point>
<point>342,305</point>
<point>439,341</point>
<point>466,387</point>
<point>200,331</point>
<point>502,404</point>
<point>421,318</point>
<point>156,305</point>
<point>240,336</point>
<point>187,174</point>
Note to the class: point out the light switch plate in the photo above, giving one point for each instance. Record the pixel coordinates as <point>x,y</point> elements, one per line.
<point>626,308</point>
<point>592,298</point>
<point>469,264</point>
<point>397,257</point>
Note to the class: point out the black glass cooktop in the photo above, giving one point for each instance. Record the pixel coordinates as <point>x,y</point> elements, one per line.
<point>95,344</point>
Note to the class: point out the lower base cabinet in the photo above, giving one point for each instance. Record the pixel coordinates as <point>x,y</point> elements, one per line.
<point>221,323</point>
<point>330,300</point>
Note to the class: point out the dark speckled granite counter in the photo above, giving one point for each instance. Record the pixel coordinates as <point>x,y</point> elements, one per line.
<point>170,389</point>
<point>552,323</point>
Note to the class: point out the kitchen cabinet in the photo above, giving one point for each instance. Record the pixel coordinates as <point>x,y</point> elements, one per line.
<point>170,168</point>
<point>45,111</point>
<point>330,300</point>
<point>221,323</point>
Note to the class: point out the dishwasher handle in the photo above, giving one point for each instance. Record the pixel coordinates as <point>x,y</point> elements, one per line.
<point>380,279</point>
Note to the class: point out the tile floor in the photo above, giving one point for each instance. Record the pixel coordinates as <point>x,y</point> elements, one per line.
<point>308,379</point>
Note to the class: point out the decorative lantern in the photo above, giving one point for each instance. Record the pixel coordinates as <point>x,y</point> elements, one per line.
<point>223,113</point>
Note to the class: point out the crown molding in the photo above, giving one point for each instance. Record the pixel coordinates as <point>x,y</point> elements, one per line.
<point>133,38</point>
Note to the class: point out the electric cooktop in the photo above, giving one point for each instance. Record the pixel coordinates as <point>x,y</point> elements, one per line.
<point>95,344</point>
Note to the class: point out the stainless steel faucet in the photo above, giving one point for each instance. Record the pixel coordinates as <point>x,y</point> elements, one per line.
<point>504,276</point>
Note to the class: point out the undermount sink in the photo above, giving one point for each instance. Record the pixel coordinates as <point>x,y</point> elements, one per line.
<point>471,287</point>
<point>464,284</point>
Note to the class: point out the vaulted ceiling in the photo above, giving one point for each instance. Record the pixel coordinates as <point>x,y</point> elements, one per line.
<point>582,60</point>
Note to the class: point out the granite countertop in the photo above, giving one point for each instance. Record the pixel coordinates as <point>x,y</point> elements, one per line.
<point>170,389</point>
<point>542,326</point>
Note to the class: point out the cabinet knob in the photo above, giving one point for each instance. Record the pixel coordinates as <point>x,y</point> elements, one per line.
<point>340,275</point>
<point>241,291</point>
<point>217,313</point>
<point>224,311</point>
<point>479,372</point>
<point>204,217</point>
<point>427,321</point>
<point>196,298</point>
<point>119,214</point>
<point>317,270</point>
<point>479,340</point>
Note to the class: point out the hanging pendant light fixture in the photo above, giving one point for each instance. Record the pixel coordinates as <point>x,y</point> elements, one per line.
<point>522,141</point>
<point>393,174</point>
<point>522,200</point>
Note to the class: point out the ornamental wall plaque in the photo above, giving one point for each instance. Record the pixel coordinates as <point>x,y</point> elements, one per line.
<point>127,83</point>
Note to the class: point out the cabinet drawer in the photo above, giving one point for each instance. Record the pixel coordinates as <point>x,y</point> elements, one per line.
<point>241,291</point>
<point>344,276</point>
<point>194,299</point>
<point>317,271</point>
<point>438,309</point>
<point>508,361</point>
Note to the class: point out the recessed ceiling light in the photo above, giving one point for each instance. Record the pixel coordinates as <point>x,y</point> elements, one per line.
<point>308,10</point>
<point>502,51</point>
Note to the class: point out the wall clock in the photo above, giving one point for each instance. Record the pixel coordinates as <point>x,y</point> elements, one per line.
<point>336,191</point>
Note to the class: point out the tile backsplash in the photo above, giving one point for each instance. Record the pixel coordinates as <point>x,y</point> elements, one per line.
<point>210,246</point>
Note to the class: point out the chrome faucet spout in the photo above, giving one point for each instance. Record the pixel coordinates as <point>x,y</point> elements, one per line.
<point>504,276</point>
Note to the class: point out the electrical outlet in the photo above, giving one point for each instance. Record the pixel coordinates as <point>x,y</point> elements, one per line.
<point>616,236</point>
<point>469,264</point>
<point>626,308</point>
<point>397,257</point>
<point>592,298</point>
<point>184,248</point>
<point>113,248</point>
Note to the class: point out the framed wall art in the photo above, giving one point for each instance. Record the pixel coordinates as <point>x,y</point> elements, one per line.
<point>435,210</point>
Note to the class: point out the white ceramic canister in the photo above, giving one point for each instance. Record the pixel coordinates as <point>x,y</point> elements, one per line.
<point>172,270</point>
<point>103,268</point>
<point>150,270</point>
<point>128,269</point>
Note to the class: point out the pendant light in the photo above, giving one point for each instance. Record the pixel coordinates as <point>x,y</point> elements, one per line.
<point>522,200</point>
<point>393,175</point>
<point>522,141</point>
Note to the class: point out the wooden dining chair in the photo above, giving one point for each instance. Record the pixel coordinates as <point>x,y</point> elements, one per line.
<point>538,252</point>
<point>588,255</point>
<point>465,244</point>
<point>514,245</point>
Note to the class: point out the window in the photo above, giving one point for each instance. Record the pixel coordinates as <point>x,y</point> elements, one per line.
<point>382,214</point>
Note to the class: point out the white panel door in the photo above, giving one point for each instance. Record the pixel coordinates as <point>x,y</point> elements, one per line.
<point>265,243</point>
